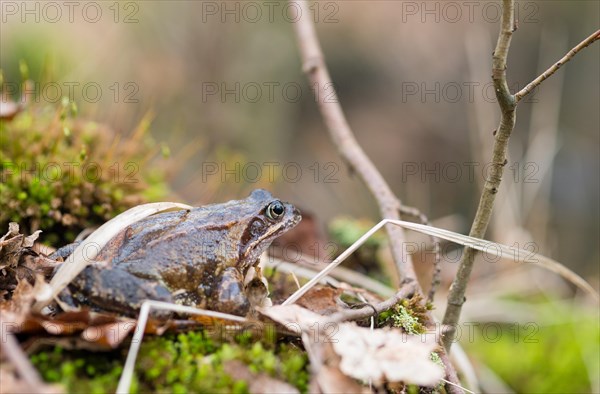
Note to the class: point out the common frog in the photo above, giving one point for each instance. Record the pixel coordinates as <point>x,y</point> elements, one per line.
<point>196,257</point>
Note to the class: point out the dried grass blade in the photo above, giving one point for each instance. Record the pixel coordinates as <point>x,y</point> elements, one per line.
<point>85,253</point>
<point>499,250</point>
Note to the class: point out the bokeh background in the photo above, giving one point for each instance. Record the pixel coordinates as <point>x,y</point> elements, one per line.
<point>224,84</point>
<point>413,78</point>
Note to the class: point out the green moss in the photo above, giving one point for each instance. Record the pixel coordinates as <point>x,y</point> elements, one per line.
<point>436,359</point>
<point>412,389</point>
<point>178,363</point>
<point>294,367</point>
<point>404,319</point>
<point>77,371</point>
<point>410,315</point>
<point>61,174</point>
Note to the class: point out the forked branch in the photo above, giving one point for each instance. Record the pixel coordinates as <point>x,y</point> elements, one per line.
<point>313,65</point>
<point>508,103</point>
<point>533,84</point>
<point>456,297</point>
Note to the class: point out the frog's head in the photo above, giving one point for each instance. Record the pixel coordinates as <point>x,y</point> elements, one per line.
<point>268,218</point>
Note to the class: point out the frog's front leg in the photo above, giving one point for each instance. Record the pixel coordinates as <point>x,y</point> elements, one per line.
<point>229,296</point>
<point>116,290</point>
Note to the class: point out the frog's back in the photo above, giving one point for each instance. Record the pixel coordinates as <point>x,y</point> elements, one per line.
<point>168,229</point>
<point>139,235</point>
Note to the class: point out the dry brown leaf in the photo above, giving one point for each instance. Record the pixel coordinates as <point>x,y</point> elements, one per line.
<point>11,247</point>
<point>294,317</point>
<point>15,240</point>
<point>331,380</point>
<point>15,310</point>
<point>369,355</point>
<point>385,355</point>
<point>109,335</point>
<point>13,229</point>
<point>326,375</point>
<point>104,331</point>
<point>18,270</point>
<point>30,240</point>
<point>323,300</point>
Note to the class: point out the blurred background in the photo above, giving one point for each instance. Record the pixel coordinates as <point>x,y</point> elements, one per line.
<point>223,87</point>
<point>413,79</point>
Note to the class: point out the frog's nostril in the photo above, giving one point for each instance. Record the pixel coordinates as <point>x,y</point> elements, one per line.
<point>297,212</point>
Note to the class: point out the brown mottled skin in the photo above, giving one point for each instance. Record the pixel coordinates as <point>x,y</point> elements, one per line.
<point>197,257</point>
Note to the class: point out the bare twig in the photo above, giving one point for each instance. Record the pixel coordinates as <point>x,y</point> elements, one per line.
<point>456,297</point>
<point>343,138</point>
<point>348,148</point>
<point>454,387</point>
<point>533,84</point>
<point>356,314</point>
<point>463,365</point>
<point>508,103</point>
<point>13,352</point>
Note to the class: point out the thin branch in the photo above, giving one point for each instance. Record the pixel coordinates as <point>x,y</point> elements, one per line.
<point>508,103</point>
<point>349,149</point>
<point>546,74</point>
<point>13,352</point>
<point>405,291</point>
<point>455,386</point>
<point>456,297</point>
<point>343,138</point>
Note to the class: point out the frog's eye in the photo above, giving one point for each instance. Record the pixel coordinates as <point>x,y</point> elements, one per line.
<point>275,210</point>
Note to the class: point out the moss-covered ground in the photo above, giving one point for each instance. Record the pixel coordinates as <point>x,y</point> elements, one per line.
<point>179,363</point>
